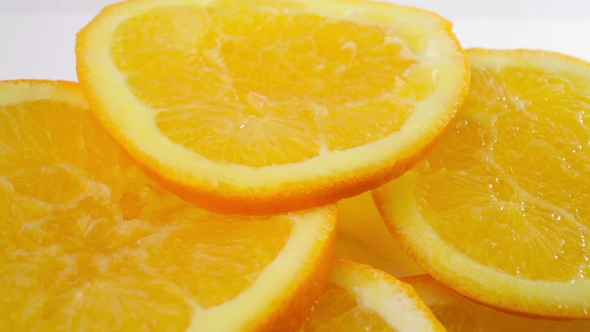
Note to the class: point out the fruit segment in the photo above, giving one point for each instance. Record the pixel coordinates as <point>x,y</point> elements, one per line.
<point>260,108</point>
<point>90,243</point>
<point>499,210</point>
<point>361,298</point>
<point>259,85</point>
<point>518,172</point>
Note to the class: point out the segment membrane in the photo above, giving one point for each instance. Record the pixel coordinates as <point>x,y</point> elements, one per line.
<point>85,236</point>
<point>259,86</point>
<point>508,184</point>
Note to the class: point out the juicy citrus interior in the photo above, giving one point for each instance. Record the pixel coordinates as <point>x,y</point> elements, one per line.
<point>339,310</point>
<point>90,243</point>
<point>360,298</point>
<point>500,209</point>
<point>515,164</point>
<point>271,106</point>
<point>263,85</point>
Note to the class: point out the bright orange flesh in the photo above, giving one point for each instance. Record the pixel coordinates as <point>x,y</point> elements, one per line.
<point>518,155</point>
<point>276,88</point>
<point>457,313</point>
<point>266,107</point>
<point>499,209</point>
<point>360,298</point>
<point>90,243</point>
<point>339,310</point>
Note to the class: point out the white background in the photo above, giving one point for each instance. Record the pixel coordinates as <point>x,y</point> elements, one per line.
<point>37,36</point>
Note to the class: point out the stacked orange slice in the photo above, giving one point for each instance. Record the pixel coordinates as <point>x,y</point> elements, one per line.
<point>89,243</point>
<point>189,182</point>
<point>361,298</point>
<point>499,211</point>
<point>262,107</point>
<point>252,110</point>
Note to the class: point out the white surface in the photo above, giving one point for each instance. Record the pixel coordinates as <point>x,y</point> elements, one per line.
<point>37,36</point>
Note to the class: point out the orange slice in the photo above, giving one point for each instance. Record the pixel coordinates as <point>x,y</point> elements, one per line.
<point>500,211</point>
<point>89,243</point>
<point>361,298</point>
<point>260,107</point>
<point>458,313</point>
<point>364,238</point>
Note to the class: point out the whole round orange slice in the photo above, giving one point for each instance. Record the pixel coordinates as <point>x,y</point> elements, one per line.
<point>500,210</point>
<point>89,243</point>
<point>260,107</point>
<point>361,298</point>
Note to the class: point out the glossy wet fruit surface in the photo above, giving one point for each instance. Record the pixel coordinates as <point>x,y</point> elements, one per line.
<point>499,210</point>
<point>90,243</point>
<point>265,107</point>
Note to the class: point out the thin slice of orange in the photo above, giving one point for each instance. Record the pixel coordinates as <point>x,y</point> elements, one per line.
<point>259,107</point>
<point>457,313</point>
<point>500,210</point>
<point>361,298</point>
<point>89,243</point>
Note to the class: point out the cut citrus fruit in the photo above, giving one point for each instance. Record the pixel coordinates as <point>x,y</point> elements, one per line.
<point>364,238</point>
<point>457,313</point>
<point>500,211</point>
<point>361,298</point>
<point>89,243</point>
<point>259,107</point>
